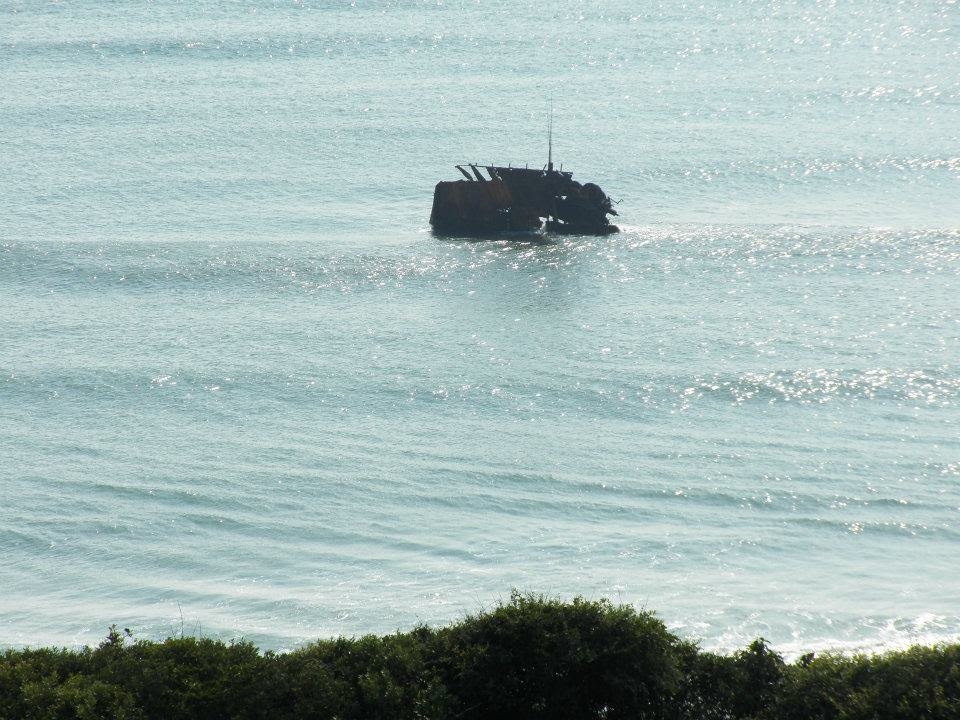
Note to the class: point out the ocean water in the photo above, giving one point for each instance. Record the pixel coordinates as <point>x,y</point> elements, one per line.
<point>244,392</point>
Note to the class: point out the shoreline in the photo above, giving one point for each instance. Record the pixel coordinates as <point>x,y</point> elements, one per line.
<point>790,650</point>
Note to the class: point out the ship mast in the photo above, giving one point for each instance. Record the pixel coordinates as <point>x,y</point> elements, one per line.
<point>550,140</point>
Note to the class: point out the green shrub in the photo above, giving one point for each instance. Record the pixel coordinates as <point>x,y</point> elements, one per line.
<point>539,658</point>
<point>80,697</point>
<point>710,686</point>
<point>920,682</point>
<point>529,658</point>
<point>369,678</point>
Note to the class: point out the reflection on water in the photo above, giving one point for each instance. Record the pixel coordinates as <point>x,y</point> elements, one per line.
<point>290,442</point>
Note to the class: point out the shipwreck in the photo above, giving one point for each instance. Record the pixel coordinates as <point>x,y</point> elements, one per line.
<point>510,199</point>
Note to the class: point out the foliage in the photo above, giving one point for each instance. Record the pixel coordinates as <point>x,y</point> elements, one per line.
<point>531,657</point>
<point>918,682</point>
<point>539,658</point>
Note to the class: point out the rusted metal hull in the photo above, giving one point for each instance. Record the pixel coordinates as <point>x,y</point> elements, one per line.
<point>519,200</point>
<point>462,207</point>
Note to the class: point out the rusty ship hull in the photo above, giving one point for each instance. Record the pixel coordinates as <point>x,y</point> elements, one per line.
<point>519,200</point>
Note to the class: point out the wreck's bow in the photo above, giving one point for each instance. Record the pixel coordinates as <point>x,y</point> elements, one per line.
<point>519,200</point>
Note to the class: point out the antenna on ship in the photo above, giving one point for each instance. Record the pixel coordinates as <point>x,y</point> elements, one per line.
<point>550,139</point>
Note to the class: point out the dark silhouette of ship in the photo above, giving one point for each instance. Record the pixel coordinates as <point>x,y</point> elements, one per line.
<point>513,199</point>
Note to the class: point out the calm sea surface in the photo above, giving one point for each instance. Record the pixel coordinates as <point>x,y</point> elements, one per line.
<point>245,392</point>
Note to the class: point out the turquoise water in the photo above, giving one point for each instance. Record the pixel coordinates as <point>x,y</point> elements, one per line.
<point>245,392</point>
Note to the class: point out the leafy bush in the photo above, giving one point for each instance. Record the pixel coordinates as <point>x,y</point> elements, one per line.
<point>921,682</point>
<point>367,679</point>
<point>531,657</point>
<point>539,658</point>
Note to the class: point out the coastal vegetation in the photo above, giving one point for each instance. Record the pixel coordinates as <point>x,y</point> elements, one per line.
<point>530,658</point>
